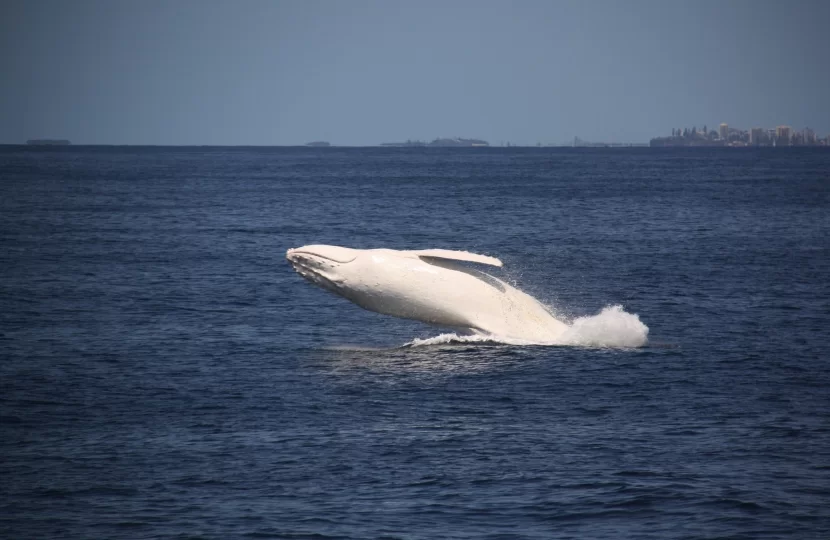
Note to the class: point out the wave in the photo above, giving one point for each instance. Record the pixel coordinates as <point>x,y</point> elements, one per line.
<point>613,327</point>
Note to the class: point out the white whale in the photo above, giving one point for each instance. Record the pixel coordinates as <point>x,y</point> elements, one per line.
<point>431,286</point>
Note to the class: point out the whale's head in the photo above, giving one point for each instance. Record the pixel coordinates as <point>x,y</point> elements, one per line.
<point>325,266</point>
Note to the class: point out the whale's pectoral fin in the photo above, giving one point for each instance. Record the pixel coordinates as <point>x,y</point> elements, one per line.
<point>456,256</point>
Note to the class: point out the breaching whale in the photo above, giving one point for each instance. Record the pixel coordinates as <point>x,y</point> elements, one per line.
<point>432,286</point>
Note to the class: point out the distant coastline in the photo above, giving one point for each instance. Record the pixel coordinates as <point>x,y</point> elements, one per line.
<point>687,138</point>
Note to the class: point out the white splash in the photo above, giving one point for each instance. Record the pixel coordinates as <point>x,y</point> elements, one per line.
<point>613,327</point>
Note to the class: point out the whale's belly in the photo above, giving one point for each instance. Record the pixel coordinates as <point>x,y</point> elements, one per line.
<point>451,298</point>
<point>433,299</point>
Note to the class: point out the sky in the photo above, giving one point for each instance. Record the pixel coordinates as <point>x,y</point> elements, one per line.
<point>360,72</point>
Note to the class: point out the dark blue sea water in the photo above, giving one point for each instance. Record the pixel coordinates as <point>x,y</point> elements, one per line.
<point>164,373</point>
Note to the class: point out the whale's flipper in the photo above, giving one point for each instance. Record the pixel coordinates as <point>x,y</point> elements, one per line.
<point>456,256</point>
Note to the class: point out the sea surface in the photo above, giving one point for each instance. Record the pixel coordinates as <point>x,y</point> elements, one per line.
<point>164,373</point>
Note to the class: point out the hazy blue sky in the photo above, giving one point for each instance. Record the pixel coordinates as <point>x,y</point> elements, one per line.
<point>363,72</point>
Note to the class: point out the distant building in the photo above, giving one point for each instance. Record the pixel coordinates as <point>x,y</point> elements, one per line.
<point>757,136</point>
<point>723,131</point>
<point>783,134</point>
<point>796,138</point>
<point>809,136</point>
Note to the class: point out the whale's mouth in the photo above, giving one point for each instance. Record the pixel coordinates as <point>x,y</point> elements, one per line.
<point>332,253</point>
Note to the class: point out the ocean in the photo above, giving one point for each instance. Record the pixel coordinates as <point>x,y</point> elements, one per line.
<point>164,372</point>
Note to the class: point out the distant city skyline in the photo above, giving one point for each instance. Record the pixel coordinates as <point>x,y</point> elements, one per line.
<point>726,135</point>
<point>265,72</point>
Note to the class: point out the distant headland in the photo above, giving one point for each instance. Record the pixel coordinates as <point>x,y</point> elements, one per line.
<point>730,136</point>
<point>48,142</point>
<point>445,142</point>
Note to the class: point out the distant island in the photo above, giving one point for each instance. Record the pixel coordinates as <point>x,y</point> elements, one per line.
<point>729,136</point>
<point>445,142</point>
<point>48,142</point>
<point>319,144</point>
